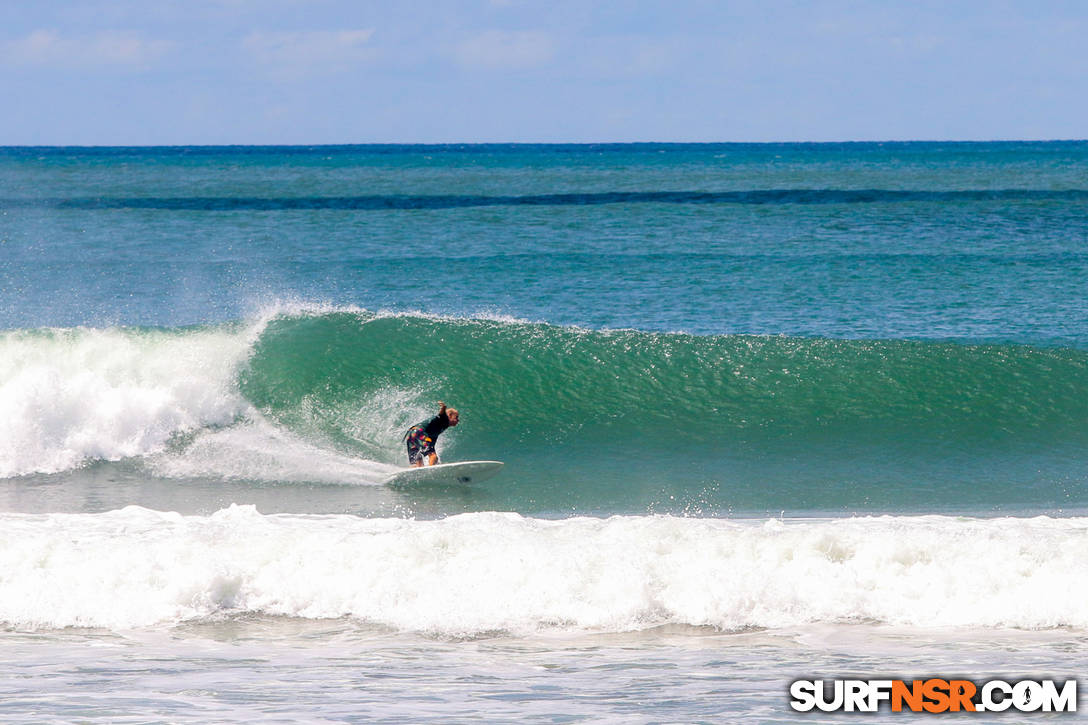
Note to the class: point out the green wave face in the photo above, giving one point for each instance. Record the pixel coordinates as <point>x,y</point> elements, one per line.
<point>716,422</point>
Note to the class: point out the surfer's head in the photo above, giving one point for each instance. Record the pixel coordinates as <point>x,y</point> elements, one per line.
<point>453,415</point>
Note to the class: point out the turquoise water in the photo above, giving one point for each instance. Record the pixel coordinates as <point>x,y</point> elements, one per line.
<point>635,328</point>
<point>753,400</point>
<point>962,241</point>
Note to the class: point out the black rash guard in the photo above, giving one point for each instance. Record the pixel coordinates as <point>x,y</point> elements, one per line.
<point>436,425</point>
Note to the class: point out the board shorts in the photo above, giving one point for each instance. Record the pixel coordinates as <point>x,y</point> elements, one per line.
<point>419,443</point>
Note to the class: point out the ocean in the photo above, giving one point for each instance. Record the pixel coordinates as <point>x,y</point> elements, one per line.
<point>769,412</point>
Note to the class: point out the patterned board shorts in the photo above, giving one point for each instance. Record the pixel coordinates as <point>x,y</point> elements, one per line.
<point>419,444</point>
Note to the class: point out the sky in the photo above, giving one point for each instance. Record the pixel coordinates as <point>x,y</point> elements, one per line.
<point>179,72</point>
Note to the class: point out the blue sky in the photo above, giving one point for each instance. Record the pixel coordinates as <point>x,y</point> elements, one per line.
<point>341,71</point>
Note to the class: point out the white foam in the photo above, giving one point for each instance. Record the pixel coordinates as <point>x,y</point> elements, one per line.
<point>67,396</point>
<point>301,307</point>
<point>257,451</point>
<point>476,573</point>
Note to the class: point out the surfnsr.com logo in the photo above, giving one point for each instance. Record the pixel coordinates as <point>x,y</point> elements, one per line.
<point>934,695</point>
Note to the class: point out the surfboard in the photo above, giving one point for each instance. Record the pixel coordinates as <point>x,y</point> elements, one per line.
<point>462,472</point>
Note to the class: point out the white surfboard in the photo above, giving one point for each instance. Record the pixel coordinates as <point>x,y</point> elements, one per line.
<point>463,472</point>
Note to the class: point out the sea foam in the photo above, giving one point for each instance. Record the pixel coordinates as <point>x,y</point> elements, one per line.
<point>488,572</point>
<point>72,395</point>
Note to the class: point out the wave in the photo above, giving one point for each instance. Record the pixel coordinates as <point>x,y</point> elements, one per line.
<point>590,418</point>
<point>72,395</point>
<point>455,201</point>
<point>495,572</point>
<point>531,383</point>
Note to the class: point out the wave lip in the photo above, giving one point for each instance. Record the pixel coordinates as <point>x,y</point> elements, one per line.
<point>488,572</point>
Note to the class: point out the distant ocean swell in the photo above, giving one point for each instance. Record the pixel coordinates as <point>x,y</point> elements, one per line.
<point>349,382</point>
<point>492,572</point>
<point>454,201</point>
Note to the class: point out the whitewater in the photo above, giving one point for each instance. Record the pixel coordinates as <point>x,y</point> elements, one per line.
<point>768,412</point>
<point>501,573</point>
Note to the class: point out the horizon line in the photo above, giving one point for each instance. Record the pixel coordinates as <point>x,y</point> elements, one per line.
<point>448,144</point>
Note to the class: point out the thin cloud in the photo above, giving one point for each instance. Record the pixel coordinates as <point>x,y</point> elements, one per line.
<point>631,56</point>
<point>506,49</point>
<point>302,53</point>
<point>115,48</point>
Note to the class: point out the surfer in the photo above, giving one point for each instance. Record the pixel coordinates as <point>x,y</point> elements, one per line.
<point>421,437</point>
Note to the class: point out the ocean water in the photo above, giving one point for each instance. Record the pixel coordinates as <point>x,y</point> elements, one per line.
<point>768,412</point>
